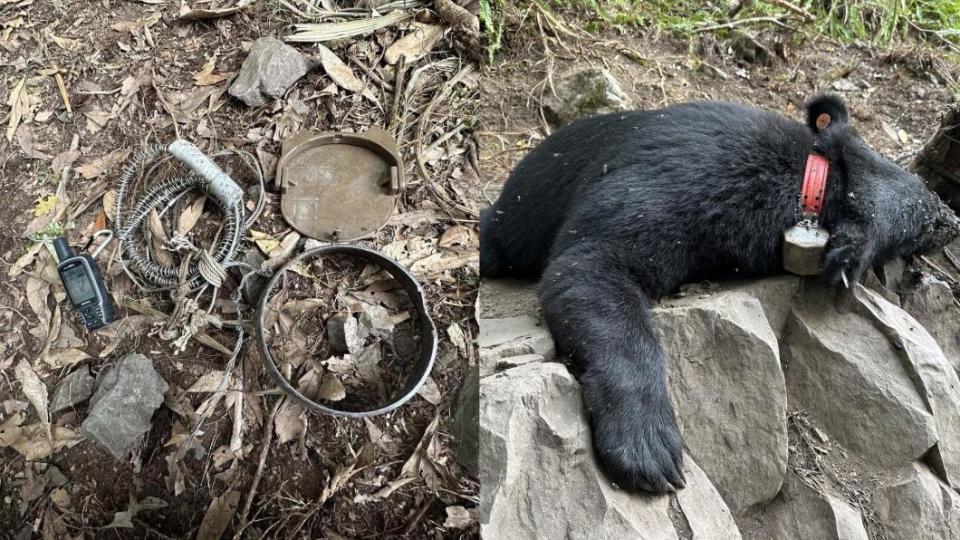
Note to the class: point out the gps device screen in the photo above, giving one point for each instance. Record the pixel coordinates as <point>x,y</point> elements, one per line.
<point>78,284</point>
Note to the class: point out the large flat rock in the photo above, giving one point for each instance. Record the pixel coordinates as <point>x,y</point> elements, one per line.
<point>844,371</point>
<point>916,505</point>
<point>930,372</point>
<point>728,391</point>
<point>539,477</point>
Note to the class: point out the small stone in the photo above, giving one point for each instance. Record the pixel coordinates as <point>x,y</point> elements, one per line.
<point>585,93</point>
<point>270,69</point>
<point>343,333</point>
<point>53,476</point>
<point>126,397</point>
<point>844,85</point>
<point>73,389</point>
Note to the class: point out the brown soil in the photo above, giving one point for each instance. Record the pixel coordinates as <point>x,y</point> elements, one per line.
<point>99,46</point>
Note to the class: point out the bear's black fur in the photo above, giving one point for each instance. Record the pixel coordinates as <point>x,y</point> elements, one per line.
<point>615,211</point>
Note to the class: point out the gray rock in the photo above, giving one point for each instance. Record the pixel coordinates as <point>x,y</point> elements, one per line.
<point>73,389</point>
<point>802,512</point>
<point>343,331</point>
<point>125,399</point>
<point>465,422</point>
<point>703,506</point>
<point>931,302</point>
<point>775,295</point>
<point>513,336</point>
<point>501,298</point>
<point>915,504</point>
<point>930,372</point>
<point>585,92</point>
<point>847,375</point>
<point>891,273</point>
<point>539,477</point>
<point>270,69</point>
<point>871,281</point>
<point>728,390</point>
<point>516,361</point>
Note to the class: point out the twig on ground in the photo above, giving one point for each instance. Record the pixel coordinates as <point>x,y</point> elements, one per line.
<point>739,22</point>
<point>807,16</point>
<point>264,452</point>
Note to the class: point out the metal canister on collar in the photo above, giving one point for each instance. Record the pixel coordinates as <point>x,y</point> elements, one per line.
<point>805,243</point>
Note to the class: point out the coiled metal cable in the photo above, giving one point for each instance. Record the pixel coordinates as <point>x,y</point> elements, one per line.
<point>224,248</point>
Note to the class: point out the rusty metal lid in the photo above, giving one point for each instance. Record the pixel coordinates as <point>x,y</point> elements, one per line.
<point>339,187</point>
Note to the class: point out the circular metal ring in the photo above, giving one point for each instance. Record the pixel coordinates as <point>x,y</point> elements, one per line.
<point>428,332</point>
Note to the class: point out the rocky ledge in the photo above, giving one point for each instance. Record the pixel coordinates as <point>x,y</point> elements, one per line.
<point>806,413</point>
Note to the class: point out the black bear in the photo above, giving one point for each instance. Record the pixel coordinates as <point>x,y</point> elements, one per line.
<point>614,211</point>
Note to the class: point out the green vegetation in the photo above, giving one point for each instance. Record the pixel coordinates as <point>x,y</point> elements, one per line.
<point>880,22</point>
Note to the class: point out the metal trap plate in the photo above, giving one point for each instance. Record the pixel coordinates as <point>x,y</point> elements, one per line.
<point>339,187</point>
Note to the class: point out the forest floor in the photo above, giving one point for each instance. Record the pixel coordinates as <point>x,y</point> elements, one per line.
<point>118,75</point>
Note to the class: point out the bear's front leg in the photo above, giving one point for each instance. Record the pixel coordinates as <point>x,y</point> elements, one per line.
<point>849,253</point>
<point>597,312</point>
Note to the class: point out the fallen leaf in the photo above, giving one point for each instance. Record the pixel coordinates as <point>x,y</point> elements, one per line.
<point>24,260</point>
<point>117,331</point>
<point>96,167</point>
<point>264,241</point>
<point>289,423</point>
<point>33,388</point>
<point>419,41</point>
<point>343,75</point>
<point>459,517</point>
<point>890,131</point>
<point>206,76</point>
<point>61,498</point>
<point>65,358</point>
<point>109,203</point>
<point>282,252</point>
<point>19,104</point>
<point>37,293</point>
<point>219,515</point>
<point>331,389</point>
<point>346,472</point>
<point>457,337</point>
<point>190,216</point>
<point>209,382</point>
<point>430,391</point>
<point>44,205</point>
<point>458,235</point>
<point>32,441</point>
<point>64,159</point>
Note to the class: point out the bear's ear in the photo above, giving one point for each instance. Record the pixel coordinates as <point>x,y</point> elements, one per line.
<point>825,110</point>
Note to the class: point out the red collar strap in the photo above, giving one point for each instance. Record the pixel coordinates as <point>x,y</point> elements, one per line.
<point>814,185</point>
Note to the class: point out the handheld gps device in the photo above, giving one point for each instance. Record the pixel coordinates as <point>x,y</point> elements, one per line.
<point>84,284</point>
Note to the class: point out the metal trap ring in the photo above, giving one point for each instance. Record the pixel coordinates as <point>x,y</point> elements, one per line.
<point>428,332</point>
